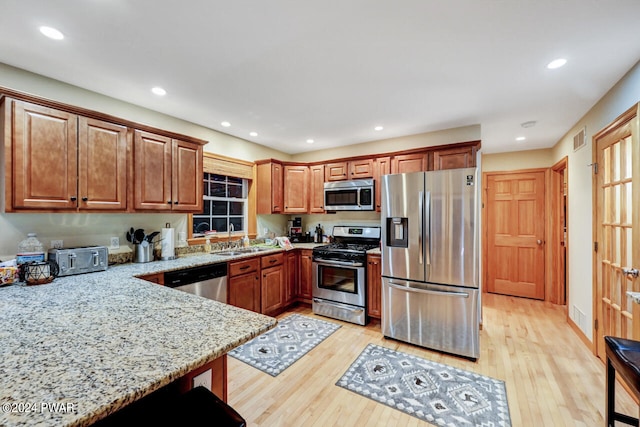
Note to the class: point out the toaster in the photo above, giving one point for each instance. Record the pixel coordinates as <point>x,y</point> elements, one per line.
<point>86,259</point>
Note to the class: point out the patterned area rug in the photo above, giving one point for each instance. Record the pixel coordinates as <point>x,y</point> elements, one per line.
<point>276,350</point>
<point>436,393</point>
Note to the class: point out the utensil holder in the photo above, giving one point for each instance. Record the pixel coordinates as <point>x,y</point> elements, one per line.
<point>142,252</point>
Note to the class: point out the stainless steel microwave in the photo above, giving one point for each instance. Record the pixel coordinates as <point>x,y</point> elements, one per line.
<point>354,195</point>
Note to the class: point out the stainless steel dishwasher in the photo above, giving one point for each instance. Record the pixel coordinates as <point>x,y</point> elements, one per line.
<point>208,281</point>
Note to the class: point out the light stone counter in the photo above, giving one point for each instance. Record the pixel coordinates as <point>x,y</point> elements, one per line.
<point>90,344</point>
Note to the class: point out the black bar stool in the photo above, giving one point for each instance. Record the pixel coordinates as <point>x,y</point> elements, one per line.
<point>623,357</point>
<point>198,407</point>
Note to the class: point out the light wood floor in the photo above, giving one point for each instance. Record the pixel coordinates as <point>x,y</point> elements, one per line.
<point>552,378</point>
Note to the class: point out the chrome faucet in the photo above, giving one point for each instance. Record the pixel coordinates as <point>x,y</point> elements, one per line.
<point>230,230</point>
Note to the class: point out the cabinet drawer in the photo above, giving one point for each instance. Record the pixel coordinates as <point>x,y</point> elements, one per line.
<point>242,267</point>
<point>271,260</point>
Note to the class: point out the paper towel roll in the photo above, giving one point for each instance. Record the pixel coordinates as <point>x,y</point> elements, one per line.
<point>168,244</point>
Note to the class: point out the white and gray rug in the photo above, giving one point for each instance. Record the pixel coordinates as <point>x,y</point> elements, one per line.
<point>276,350</point>
<point>433,392</point>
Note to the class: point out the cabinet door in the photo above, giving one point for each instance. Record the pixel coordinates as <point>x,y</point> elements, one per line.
<point>382,166</point>
<point>44,155</point>
<point>374,286</point>
<point>454,158</point>
<point>102,165</point>
<point>270,195</point>
<point>187,177</point>
<point>152,171</point>
<point>306,274</point>
<point>244,291</point>
<point>272,295</point>
<point>296,194</point>
<point>407,163</point>
<point>316,196</point>
<point>336,171</point>
<point>291,264</point>
<point>359,169</point>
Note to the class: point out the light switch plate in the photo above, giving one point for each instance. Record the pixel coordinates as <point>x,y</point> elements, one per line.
<point>115,242</point>
<point>204,379</point>
<point>56,244</point>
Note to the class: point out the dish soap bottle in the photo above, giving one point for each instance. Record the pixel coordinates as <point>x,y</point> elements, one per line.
<point>245,241</point>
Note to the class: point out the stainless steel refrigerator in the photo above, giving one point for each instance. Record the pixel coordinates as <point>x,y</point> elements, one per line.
<point>430,260</point>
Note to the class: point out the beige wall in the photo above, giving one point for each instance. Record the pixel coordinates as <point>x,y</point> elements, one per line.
<point>428,139</point>
<point>96,229</point>
<point>517,160</point>
<point>620,98</point>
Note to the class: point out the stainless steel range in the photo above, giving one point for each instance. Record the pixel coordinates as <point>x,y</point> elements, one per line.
<point>340,274</point>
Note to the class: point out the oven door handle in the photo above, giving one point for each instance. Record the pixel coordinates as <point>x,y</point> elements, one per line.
<point>332,263</point>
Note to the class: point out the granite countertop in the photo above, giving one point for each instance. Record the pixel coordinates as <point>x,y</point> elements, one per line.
<point>82,347</point>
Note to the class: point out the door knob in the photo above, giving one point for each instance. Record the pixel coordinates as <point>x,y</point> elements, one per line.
<point>539,242</point>
<point>633,272</point>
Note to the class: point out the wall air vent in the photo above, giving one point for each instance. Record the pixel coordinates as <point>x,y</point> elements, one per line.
<point>579,139</point>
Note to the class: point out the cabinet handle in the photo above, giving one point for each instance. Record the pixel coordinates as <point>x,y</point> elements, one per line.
<point>169,202</point>
<point>272,261</point>
<point>74,198</point>
<point>84,199</point>
<point>244,267</point>
<point>175,203</point>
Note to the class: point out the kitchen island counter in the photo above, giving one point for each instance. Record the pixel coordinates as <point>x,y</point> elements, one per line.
<point>78,349</point>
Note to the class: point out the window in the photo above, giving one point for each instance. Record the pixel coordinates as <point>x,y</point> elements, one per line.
<point>225,202</point>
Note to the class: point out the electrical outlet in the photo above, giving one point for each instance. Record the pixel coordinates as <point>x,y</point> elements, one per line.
<point>204,379</point>
<point>115,242</point>
<point>56,244</point>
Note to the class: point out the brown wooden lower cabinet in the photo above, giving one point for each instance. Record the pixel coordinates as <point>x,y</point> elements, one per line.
<point>272,285</point>
<point>291,276</point>
<point>374,286</point>
<point>244,284</point>
<point>306,275</point>
<point>218,377</point>
<point>155,278</point>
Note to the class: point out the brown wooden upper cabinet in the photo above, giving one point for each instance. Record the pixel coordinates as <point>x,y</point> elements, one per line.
<point>407,163</point>
<point>453,158</point>
<point>296,189</point>
<point>381,166</point>
<point>270,188</point>
<point>316,189</point>
<point>354,169</point>
<point>63,161</point>
<point>167,174</point>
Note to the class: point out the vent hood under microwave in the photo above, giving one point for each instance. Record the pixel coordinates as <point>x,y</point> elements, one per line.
<point>353,195</point>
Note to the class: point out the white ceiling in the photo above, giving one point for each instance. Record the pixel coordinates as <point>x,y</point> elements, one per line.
<point>331,70</point>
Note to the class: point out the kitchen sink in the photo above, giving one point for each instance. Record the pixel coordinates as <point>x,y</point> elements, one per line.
<point>241,251</point>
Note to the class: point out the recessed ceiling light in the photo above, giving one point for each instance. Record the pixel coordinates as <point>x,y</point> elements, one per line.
<point>225,124</point>
<point>159,91</point>
<point>52,33</point>
<point>378,128</point>
<point>253,133</point>
<point>310,141</point>
<point>556,63</point>
<point>520,138</point>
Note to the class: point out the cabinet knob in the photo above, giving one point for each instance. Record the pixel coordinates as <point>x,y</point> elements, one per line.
<point>175,203</point>
<point>84,199</point>
<point>169,202</point>
<point>74,198</point>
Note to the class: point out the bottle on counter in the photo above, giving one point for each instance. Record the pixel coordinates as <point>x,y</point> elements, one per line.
<point>245,241</point>
<point>30,249</point>
<point>207,245</point>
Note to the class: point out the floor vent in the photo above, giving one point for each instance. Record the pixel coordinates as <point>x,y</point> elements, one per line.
<point>579,139</point>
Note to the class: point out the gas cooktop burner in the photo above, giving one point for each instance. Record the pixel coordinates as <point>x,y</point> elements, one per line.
<point>346,247</point>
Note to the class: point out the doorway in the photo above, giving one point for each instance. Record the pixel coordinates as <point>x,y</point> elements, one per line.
<point>616,229</point>
<point>559,232</point>
<point>515,233</point>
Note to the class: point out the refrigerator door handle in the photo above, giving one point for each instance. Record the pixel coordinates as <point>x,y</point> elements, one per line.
<point>420,227</point>
<point>425,291</point>
<point>428,226</point>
